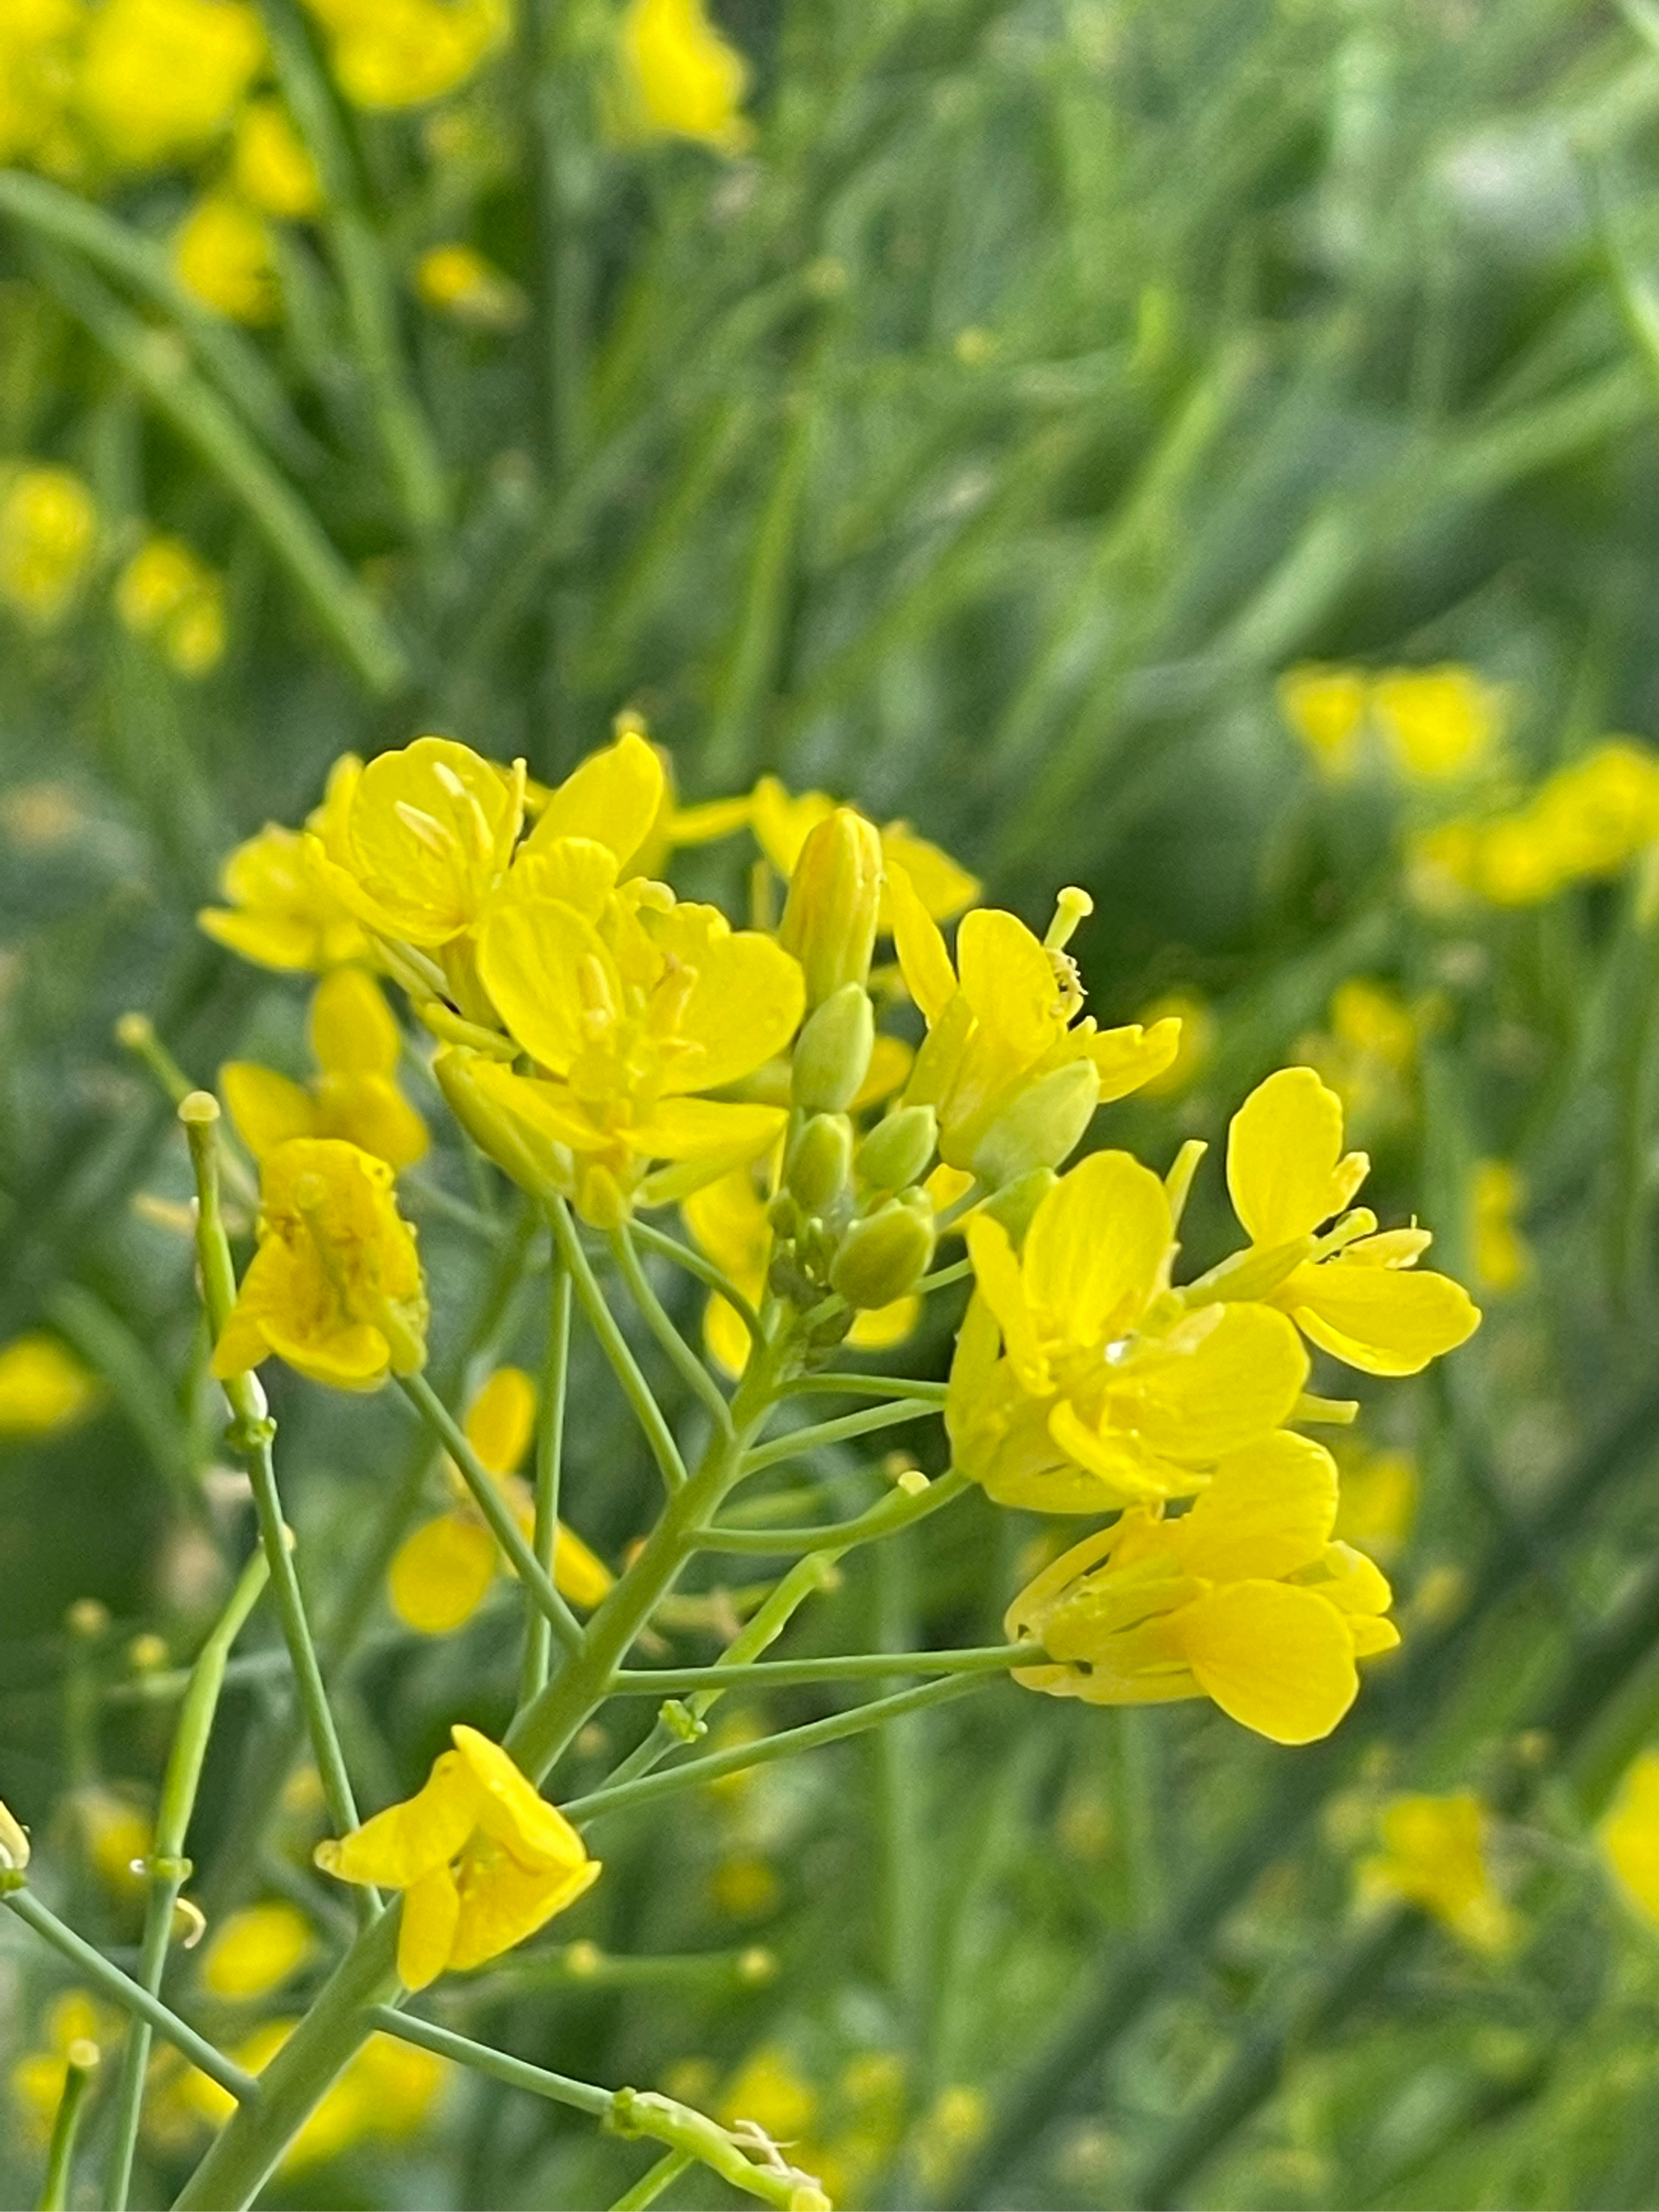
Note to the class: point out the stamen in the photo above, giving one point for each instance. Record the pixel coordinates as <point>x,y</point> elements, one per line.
<point>437,837</point>
<point>1071,906</point>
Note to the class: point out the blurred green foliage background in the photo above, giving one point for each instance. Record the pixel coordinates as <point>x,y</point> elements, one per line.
<point>1045,378</point>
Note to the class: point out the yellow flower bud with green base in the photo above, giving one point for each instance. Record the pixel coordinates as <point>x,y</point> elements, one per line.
<point>834,897</point>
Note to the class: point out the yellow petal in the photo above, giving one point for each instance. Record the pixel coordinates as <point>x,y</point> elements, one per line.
<point>725,1337</point>
<point>1126,1058</point>
<point>1094,1250</point>
<point>371,1112</point>
<point>1268,1511</point>
<point>743,1009</point>
<point>1002,1285</point>
<point>707,1128</point>
<point>782,824</point>
<point>943,887</point>
<point>1275,1659</point>
<point>1113,1457</point>
<point>502,1902</point>
<point>533,954</point>
<point>441,1573</point>
<point>578,1573</point>
<point>612,797</point>
<point>1285,1169</point>
<point>510,1808</point>
<point>1630,1833</point>
<point>426,1935</point>
<point>879,1328</point>
<point>1009,982</point>
<point>926,965</point>
<point>266,1108</point>
<point>43,1386</point>
<point>410,1839</point>
<point>1386,1321</point>
<point>576,871</point>
<point>353,1032</point>
<point>501,1420</point>
<point>1238,1381</point>
<point>727,1220</point>
<point>255,1950</point>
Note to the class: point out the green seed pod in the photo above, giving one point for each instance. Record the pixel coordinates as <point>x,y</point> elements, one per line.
<point>832,1053</point>
<point>881,1256</point>
<point>1042,1127</point>
<point>898,1150</point>
<point>820,1163</point>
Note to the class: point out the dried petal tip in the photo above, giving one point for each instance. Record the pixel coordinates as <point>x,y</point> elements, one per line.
<point>199,1108</point>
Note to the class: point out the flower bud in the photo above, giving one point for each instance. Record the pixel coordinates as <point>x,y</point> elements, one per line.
<point>1015,1202</point>
<point>14,1843</point>
<point>830,917</point>
<point>533,1161</point>
<point>820,1163</point>
<point>1042,1127</point>
<point>896,1151</point>
<point>881,1256</point>
<point>832,1053</point>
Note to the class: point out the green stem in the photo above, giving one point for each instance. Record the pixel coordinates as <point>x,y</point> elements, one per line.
<point>897,1511</point>
<point>60,2154</point>
<point>685,1362</point>
<point>800,1442</point>
<point>131,1996</point>
<point>850,1385</point>
<point>629,2112</point>
<point>157,363</point>
<point>624,1796</point>
<point>169,1869</point>
<point>653,2182</point>
<point>941,1277</point>
<point>550,1459</point>
<point>715,1278</point>
<point>846,1667</point>
<point>486,1495</point>
<point>614,1345</point>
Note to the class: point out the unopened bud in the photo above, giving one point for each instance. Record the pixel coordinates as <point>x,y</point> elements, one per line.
<point>1042,1127</point>
<point>1015,1202</point>
<point>820,1162</point>
<point>537,1162</point>
<point>13,1842</point>
<point>832,1053</point>
<point>830,917</point>
<point>881,1256</point>
<point>898,1151</point>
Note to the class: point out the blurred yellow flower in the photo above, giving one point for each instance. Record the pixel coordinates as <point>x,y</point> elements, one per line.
<point>483,1861</point>
<point>460,282</point>
<point>1376,1502</point>
<point>402,53</point>
<point>681,79</point>
<point>1244,1599</point>
<point>164,592</point>
<point>48,541</point>
<point>356,1044</point>
<point>43,1386</point>
<point>385,2094</point>
<point>1367,1052</point>
<point>730,1223</point>
<point>281,914</point>
<point>1434,1856</point>
<point>1362,1297</point>
<point>771,2092</point>
<point>1588,820</point>
<point>1325,707</point>
<point>221,252</point>
<point>255,1950</point>
<point>1003,1020</point>
<point>947,2132</point>
<point>75,2019</point>
<point>39,41</point>
<point>272,169</point>
<point>1629,1834</point>
<point>1106,1392</point>
<point>1503,1258</point>
<point>161,78</point>
<point>117,1836</point>
<point>1439,723</point>
<point>442,1571</point>
<point>334,1287</point>
<point>1198,1036</point>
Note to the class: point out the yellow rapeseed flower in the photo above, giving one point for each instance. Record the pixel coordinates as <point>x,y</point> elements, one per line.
<point>255,1950</point>
<point>1325,707</point>
<point>221,252</point>
<point>1002,1019</point>
<point>356,1044</point>
<point>1363,1296</point>
<point>1435,1854</point>
<point>1586,821</point>
<point>442,1571</point>
<point>43,1387</point>
<point>1437,723</point>
<point>272,168</point>
<point>1244,1599</point>
<point>1377,1501</point>
<point>281,913</point>
<point>1503,1258</point>
<point>1106,1389</point>
<point>334,1287</point>
<point>1629,1834</point>
<point>48,542</point>
<point>385,2094</point>
<point>782,824</point>
<point>680,78</point>
<point>75,2023</point>
<point>165,592</point>
<point>39,41</point>
<point>402,53</point>
<point>458,282</point>
<point>483,1861</point>
<point>161,78</point>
